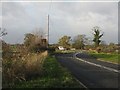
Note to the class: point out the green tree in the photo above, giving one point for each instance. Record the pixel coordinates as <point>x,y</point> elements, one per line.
<point>35,42</point>
<point>30,42</point>
<point>97,36</point>
<point>29,39</point>
<point>65,41</point>
<point>79,41</point>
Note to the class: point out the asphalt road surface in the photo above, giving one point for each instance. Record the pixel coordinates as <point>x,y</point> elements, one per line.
<point>90,75</point>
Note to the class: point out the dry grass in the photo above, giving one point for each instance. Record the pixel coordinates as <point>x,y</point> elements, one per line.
<point>54,76</point>
<point>19,67</point>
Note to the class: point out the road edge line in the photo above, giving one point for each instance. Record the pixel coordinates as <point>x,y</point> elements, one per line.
<point>81,83</point>
<point>110,69</point>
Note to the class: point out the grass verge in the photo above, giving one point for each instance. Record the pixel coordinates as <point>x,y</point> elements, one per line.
<point>113,58</point>
<point>54,76</point>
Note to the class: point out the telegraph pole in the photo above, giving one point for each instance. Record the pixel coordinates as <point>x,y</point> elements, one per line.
<point>48,30</point>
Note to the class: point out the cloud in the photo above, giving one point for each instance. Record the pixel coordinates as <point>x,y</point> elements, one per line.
<point>80,18</point>
<point>66,18</point>
<point>0,14</point>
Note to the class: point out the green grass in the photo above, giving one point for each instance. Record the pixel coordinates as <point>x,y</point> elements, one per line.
<point>106,57</point>
<point>54,76</point>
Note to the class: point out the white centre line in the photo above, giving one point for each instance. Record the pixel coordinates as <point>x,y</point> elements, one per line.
<point>101,66</point>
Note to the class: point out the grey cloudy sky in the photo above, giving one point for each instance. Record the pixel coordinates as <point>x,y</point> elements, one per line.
<point>66,18</point>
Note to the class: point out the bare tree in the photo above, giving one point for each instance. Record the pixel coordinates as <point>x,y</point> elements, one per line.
<point>3,32</point>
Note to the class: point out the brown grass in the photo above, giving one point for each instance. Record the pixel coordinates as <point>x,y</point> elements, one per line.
<point>20,66</point>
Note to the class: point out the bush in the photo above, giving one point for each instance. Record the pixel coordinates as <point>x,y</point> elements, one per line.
<point>22,67</point>
<point>6,51</point>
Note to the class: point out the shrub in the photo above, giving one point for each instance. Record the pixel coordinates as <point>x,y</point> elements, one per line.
<point>22,67</point>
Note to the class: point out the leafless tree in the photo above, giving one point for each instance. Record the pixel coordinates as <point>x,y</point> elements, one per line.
<point>3,32</point>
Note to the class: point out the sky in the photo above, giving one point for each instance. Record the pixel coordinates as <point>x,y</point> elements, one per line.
<point>66,18</point>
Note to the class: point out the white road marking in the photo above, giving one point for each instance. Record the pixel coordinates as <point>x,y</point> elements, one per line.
<point>80,83</point>
<point>75,77</point>
<point>101,66</point>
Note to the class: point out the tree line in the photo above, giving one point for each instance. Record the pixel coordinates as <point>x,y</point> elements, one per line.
<point>80,41</point>
<point>83,42</point>
<point>36,41</point>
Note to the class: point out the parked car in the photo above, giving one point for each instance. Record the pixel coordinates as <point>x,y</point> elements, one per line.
<point>61,48</point>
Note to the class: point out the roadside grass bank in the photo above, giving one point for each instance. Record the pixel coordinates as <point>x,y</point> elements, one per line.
<point>54,76</point>
<point>113,58</point>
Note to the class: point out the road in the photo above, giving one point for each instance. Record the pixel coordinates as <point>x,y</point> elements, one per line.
<point>90,75</point>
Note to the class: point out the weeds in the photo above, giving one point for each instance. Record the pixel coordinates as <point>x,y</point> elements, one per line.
<point>22,67</point>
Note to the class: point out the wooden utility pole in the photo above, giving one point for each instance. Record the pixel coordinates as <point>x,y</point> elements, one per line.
<point>48,30</point>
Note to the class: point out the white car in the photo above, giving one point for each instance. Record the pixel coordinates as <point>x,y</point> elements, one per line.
<point>61,48</point>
